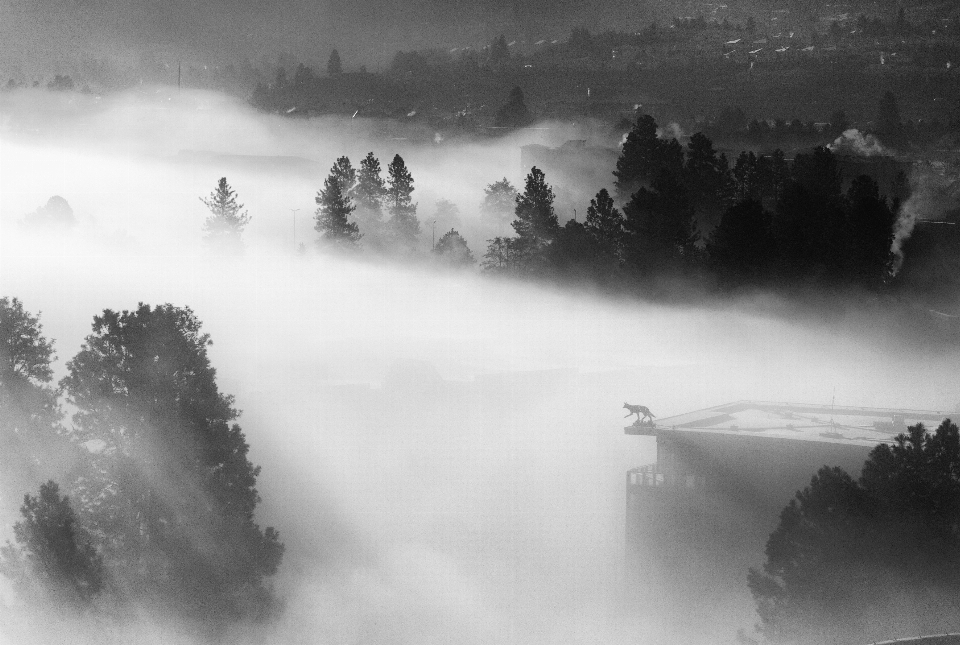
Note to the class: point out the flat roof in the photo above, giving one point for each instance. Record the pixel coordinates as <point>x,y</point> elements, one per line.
<point>798,421</point>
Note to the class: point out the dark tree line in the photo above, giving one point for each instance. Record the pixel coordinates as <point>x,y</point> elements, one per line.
<point>771,222</point>
<point>160,494</point>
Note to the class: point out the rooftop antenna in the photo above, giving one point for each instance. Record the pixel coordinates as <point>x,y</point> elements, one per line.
<point>574,214</point>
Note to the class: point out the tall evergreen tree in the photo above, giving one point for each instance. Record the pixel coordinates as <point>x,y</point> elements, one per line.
<point>661,231</point>
<point>637,159</point>
<point>605,224</point>
<point>644,157</point>
<point>403,224</point>
<point>227,218</point>
<point>346,176</point>
<point>536,222</point>
<point>705,175</point>
<point>170,497</point>
<point>370,190</point>
<point>334,207</point>
<point>369,195</point>
<point>334,66</point>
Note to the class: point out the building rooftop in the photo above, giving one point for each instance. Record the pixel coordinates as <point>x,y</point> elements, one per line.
<point>797,421</point>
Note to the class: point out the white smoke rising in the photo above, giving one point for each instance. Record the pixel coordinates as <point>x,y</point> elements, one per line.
<point>853,141</point>
<point>931,196</point>
<point>672,130</point>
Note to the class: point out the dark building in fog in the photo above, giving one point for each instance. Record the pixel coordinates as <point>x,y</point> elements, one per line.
<point>698,518</point>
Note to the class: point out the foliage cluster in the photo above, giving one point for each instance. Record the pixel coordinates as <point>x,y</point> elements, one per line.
<point>864,560</point>
<point>159,514</point>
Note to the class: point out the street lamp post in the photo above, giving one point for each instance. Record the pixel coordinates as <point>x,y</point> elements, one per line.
<point>294,211</point>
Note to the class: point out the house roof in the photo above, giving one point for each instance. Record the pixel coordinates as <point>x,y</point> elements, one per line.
<point>797,421</point>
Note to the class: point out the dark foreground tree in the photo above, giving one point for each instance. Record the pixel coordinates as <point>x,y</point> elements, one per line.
<point>227,219</point>
<point>170,497</point>
<point>869,560</point>
<point>53,559</point>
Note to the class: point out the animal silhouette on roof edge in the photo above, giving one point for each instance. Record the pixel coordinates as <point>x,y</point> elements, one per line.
<point>637,410</point>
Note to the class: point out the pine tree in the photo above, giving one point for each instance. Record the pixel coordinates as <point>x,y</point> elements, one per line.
<point>452,250</point>
<point>333,211</point>
<point>661,231</point>
<point>705,175</point>
<point>535,219</point>
<point>861,561</point>
<point>369,195</point>
<point>334,66</point>
<point>644,157</point>
<point>170,498</point>
<point>605,225</point>
<point>370,190</point>
<point>227,218</point>
<point>346,176</point>
<point>54,559</point>
<point>403,224</point>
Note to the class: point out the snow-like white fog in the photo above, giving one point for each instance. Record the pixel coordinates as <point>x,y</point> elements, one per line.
<point>443,453</point>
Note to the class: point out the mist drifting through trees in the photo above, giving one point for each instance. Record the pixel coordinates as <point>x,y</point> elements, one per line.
<point>441,452</point>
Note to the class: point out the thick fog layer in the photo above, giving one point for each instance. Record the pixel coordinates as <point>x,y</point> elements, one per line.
<point>443,453</point>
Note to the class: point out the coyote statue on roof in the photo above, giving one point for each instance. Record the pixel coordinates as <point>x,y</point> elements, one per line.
<point>637,410</point>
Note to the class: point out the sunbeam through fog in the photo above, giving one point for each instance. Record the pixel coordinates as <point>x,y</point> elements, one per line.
<point>442,453</point>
